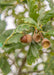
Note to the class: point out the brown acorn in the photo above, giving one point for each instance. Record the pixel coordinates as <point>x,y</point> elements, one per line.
<point>26,38</point>
<point>37,37</point>
<point>46,43</point>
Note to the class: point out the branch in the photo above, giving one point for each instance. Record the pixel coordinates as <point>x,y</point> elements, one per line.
<point>23,62</point>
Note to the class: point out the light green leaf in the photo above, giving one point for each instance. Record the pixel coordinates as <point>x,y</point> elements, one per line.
<point>51,3</point>
<point>6,1</point>
<point>0,44</point>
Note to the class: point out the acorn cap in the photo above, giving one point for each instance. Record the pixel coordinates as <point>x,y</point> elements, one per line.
<point>46,43</point>
<point>26,38</point>
<point>34,36</point>
<point>37,37</point>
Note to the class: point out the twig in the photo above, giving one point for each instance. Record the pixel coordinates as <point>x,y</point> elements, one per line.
<point>23,62</point>
<point>42,36</point>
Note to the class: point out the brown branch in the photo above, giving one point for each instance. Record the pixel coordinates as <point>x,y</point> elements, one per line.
<point>23,62</point>
<point>42,36</point>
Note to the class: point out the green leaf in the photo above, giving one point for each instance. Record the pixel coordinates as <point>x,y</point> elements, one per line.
<point>6,1</point>
<point>51,3</point>
<point>32,4</point>
<point>0,44</point>
<point>45,17</point>
<point>12,47</point>
<point>4,35</point>
<point>47,26</point>
<point>35,49</point>
<point>4,65</point>
<point>2,26</point>
<point>49,33</point>
<point>17,34</point>
<point>30,57</point>
<point>52,45</point>
<point>33,53</point>
<point>29,20</point>
<point>35,68</point>
<point>14,39</point>
<point>22,28</point>
<point>49,65</point>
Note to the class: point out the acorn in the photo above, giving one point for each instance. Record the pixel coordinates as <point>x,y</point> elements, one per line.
<point>26,38</point>
<point>46,43</point>
<point>37,37</point>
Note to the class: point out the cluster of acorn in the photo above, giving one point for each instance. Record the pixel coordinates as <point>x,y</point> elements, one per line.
<point>37,38</point>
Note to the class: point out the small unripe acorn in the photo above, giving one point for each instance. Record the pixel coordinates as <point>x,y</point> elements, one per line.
<point>37,37</point>
<point>46,43</point>
<point>26,38</point>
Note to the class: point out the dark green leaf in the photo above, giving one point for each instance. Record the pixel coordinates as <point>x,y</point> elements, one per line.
<point>14,39</point>
<point>22,27</point>
<point>33,9</point>
<point>35,49</point>
<point>33,53</point>
<point>49,33</point>
<point>47,27</point>
<point>45,17</point>
<point>31,21</point>
<point>12,47</point>
<point>4,65</point>
<point>2,26</point>
<point>30,57</point>
<point>4,35</point>
<point>49,65</point>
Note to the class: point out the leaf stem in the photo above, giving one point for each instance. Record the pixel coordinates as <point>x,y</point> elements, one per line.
<point>8,38</point>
